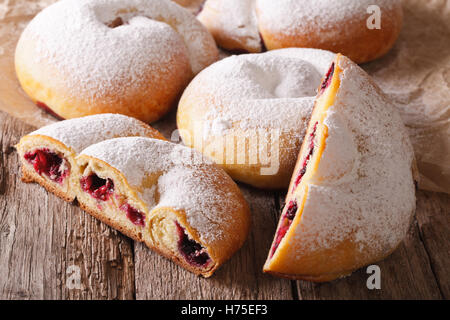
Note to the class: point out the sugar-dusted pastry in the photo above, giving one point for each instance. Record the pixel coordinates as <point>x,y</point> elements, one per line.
<point>363,30</point>
<point>134,57</point>
<point>48,154</point>
<point>352,193</point>
<point>249,112</point>
<point>166,195</point>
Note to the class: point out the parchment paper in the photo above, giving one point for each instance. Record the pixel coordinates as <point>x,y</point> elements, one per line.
<point>415,74</point>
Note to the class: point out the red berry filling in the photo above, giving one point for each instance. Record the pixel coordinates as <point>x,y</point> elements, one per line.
<point>47,109</point>
<point>191,250</point>
<point>97,187</point>
<point>302,171</point>
<point>286,222</point>
<point>135,216</point>
<point>49,163</point>
<point>327,81</point>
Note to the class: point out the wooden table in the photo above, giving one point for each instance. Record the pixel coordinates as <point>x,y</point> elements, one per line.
<point>45,241</point>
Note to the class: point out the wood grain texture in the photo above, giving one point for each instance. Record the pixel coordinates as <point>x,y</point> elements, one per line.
<point>433,217</point>
<point>41,236</point>
<point>44,240</point>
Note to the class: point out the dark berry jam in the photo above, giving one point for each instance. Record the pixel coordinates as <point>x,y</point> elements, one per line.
<point>47,109</point>
<point>134,215</point>
<point>191,250</point>
<point>286,221</point>
<point>49,163</point>
<point>97,187</point>
<point>302,171</point>
<point>327,81</point>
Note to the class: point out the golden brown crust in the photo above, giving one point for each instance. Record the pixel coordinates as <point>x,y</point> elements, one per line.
<point>147,103</point>
<point>361,45</point>
<point>29,176</point>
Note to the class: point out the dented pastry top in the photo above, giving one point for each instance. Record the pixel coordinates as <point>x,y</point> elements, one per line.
<point>275,89</point>
<point>363,188</point>
<point>80,133</point>
<point>185,180</point>
<point>83,40</point>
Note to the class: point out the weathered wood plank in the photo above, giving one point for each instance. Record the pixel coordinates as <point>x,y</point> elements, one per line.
<point>239,278</point>
<point>44,241</point>
<point>433,217</point>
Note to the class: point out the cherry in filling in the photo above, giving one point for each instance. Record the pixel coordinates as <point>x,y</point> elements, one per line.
<point>49,163</point>
<point>191,250</point>
<point>97,187</point>
<point>327,81</point>
<point>286,222</point>
<point>135,216</point>
<point>302,171</point>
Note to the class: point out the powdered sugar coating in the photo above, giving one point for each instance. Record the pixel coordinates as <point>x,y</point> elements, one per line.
<point>80,133</point>
<point>363,190</point>
<point>186,181</point>
<point>286,16</point>
<point>73,37</point>
<point>254,95</point>
<point>236,18</point>
<point>271,90</point>
<point>290,17</point>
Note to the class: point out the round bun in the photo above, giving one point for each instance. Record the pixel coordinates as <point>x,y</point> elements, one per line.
<point>352,194</point>
<point>48,154</point>
<point>134,57</point>
<point>168,196</point>
<point>249,112</point>
<point>338,26</point>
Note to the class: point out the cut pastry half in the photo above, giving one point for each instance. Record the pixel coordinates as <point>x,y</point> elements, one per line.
<point>48,154</point>
<point>166,195</point>
<point>352,193</point>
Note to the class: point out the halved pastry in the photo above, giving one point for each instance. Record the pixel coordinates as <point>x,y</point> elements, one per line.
<point>166,195</point>
<point>352,194</point>
<point>48,154</point>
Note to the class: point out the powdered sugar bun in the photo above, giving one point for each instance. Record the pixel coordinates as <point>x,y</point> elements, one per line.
<point>61,142</point>
<point>352,194</point>
<point>249,112</point>
<point>179,203</point>
<point>82,57</point>
<point>338,26</point>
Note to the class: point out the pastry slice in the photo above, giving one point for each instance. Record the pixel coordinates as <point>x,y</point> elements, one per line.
<point>166,195</point>
<point>352,194</point>
<point>48,154</point>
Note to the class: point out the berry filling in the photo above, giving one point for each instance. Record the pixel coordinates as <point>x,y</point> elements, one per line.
<point>191,250</point>
<point>49,163</point>
<point>97,187</point>
<point>47,109</point>
<point>135,216</point>
<point>302,171</point>
<point>327,81</point>
<point>286,222</point>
